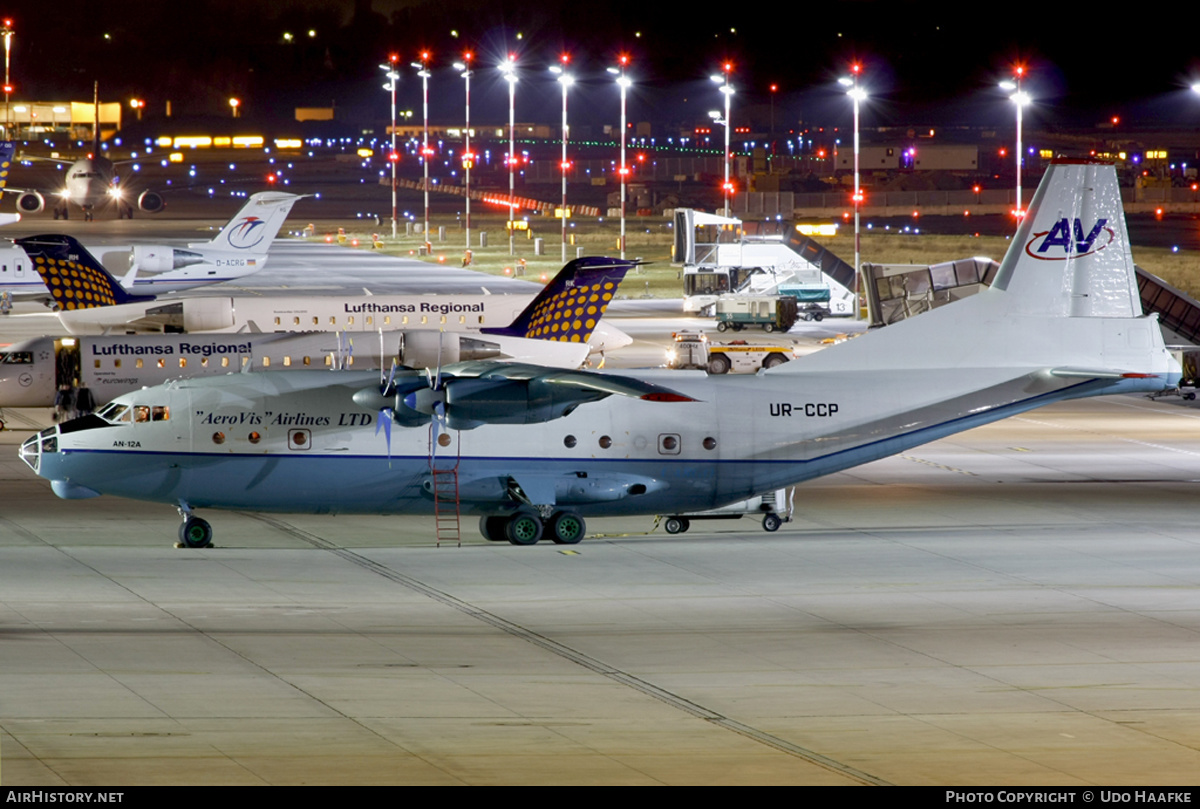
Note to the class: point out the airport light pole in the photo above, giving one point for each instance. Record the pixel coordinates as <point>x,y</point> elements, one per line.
<point>423,72</point>
<point>1020,99</point>
<point>7,32</point>
<point>566,80</point>
<point>392,77</point>
<point>727,91</point>
<point>464,68</point>
<point>857,95</point>
<point>624,83</point>
<point>509,68</point>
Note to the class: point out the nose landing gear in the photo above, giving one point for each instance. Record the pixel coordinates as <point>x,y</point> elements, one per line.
<point>194,532</point>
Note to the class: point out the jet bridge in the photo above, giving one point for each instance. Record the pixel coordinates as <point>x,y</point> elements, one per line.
<point>1176,310</point>
<point>897,291</point>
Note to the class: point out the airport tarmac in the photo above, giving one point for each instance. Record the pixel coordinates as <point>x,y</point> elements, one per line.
<point>1016,605</point>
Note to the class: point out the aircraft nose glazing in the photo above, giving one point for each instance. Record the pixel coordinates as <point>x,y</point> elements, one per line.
<point>33,447</point>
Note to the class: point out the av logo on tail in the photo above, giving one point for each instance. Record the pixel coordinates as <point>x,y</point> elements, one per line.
<point>247,233</point>
<point>1064,241</point>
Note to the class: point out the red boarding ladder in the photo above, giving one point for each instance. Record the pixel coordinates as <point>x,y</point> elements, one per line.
<point>446,510</point>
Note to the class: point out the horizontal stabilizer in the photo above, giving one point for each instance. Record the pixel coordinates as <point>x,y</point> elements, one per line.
<point>1098,373</point>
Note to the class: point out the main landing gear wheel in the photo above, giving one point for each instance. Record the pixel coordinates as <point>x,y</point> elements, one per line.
<point>195,533</point>
<point>677,525</point>
<point>771,522</point>
<point>567,528</point>
<point>523,529</point>
<point>492,528</point>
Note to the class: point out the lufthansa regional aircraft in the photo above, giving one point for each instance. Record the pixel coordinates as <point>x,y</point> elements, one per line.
<point>536,449</point>
<point>32,372</point>
<point>90,301</point>
<point>239,250</point>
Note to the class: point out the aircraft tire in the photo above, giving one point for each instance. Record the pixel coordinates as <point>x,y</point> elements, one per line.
<point>677,525</point>
<point>195,533</point>
<point>523,528</point>
<point>492,528</point>
<point>771,522</point>
<point>567,528</point>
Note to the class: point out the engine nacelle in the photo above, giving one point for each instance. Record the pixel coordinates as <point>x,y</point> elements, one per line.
<point>207,314</point>
<point>155,258</point>
<point>470,403</point>
<point>429,349</point>
<point>151,202</point>
<point>31,202</point>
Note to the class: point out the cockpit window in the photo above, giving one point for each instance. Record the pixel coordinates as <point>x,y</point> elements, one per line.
<point>116,413</point>
<point>16,358</point>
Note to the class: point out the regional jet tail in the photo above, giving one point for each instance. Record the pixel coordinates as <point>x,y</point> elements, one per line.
<point>240,249</point>
<point>74,278</point>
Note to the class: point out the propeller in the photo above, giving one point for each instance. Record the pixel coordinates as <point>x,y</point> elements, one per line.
<point>435,399</point>
<point>386,413</point>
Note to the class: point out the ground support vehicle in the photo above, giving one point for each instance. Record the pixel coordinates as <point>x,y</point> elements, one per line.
<point>692,349</point>
<point>769,505</point>
<point>770,312</point>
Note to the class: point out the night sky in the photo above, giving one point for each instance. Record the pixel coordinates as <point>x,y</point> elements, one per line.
<point>924,63</point>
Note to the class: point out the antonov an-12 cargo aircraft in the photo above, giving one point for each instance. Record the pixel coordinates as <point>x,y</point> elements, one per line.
<point>538,449</point>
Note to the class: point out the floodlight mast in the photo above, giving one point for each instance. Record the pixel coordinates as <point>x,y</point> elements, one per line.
<point>857,95</point>
<point>509,68</point>
<point>392,77</point>
<point>727,91</point>
<point>566,80</point>
<point>464,68</point>
<point>1020,99</point>
<point>423,71</point>
<point>624,83</point>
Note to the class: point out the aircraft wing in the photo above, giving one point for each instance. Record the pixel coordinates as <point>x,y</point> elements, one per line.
<point>467,395</point>
<point>582,381</point>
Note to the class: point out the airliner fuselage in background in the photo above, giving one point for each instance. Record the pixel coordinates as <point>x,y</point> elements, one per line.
<point>238,250</point>
<point>91,301</point>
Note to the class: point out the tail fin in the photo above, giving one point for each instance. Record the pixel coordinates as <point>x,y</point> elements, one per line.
<point>1064,304</point>
<point>1070,257</point>
<point>254,227</point>
<point>571,305</point>
<point>74,277</point>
